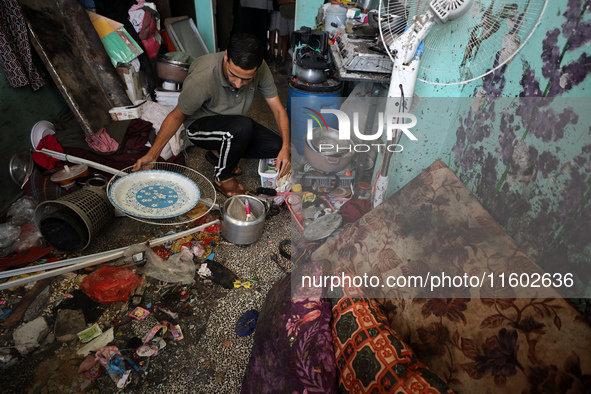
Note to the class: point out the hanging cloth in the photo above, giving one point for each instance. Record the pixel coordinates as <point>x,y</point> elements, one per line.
<point>15,49</point>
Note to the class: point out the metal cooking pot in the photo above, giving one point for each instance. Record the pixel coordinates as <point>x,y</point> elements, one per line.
<point>311,75</point>
<point>329,160</point>
<point>241,232</point>
<point>312,67</point>
<point>171,70</point>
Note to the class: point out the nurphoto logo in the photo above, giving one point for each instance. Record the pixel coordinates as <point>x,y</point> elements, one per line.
<point>393,125</point>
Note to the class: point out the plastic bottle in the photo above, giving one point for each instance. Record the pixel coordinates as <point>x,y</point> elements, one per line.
<point>297,189</point>
<point>295,200</point>
<point>335,14</point>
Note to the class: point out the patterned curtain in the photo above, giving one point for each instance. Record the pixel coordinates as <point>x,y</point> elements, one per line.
<point>15,49</point>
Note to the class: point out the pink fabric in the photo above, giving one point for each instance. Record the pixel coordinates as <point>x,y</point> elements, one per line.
<point>87,363</point>
<point>104,354</point>
<point>138,6</point>
<point>102,142</point>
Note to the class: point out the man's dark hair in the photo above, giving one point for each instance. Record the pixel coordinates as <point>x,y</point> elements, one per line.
<point>246,51</point>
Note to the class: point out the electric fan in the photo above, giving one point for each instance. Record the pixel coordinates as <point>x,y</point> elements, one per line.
<point>448,42</point>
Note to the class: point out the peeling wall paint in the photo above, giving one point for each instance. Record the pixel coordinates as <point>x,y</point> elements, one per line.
<point>522,144</point>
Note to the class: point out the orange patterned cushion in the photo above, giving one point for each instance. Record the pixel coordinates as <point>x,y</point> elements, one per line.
<point>370,356</point>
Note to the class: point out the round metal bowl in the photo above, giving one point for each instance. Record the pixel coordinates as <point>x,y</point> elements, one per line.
<point>169,67</point>
<point>20,167</point>
<point>173,58</point>
<point>171,72</point>
<point>311,75</point>
<point>324,158</point>
<point>330,142</point>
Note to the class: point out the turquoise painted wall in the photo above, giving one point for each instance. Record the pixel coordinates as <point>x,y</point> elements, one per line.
<point>21,108</point>
<point>306,11</point>
<point>205,24</point>
<point>528,161</point>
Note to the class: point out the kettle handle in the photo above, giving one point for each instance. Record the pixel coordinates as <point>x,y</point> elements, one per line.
<point>270,209</point>
<point>273,210</point>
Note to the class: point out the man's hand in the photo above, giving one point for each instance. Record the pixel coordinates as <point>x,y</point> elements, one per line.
<point>169,127</point>
<point>284,161</point>
<point>284,156</point>
<point>142,161</point>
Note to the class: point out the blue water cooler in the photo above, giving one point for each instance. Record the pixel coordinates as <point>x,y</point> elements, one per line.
<point>303,98</point>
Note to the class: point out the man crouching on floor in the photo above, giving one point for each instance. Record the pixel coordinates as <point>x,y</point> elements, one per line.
<point>216,95</point>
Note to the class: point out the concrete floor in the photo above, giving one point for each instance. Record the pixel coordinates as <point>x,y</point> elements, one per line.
<point>211,357</point>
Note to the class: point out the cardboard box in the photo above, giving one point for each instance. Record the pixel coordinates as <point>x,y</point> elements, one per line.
<point>124,113</point>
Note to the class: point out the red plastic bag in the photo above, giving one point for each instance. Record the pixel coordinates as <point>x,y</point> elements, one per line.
<point>110,284</point>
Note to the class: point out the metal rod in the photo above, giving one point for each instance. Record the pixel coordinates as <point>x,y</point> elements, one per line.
<point>58,264</point>
<point>89,261</point>
<point>78,160</point>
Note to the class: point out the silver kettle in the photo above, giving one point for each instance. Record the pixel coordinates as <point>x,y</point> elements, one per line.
<point>366,5</point>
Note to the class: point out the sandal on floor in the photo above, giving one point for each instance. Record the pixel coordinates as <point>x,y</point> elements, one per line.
<point>213,160</point>
<point>230,187</point>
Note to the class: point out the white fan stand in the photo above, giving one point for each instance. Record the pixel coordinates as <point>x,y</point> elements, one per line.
<point>484,34</point>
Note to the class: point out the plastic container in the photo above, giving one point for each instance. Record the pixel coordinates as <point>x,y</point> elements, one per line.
<point>298,103</point>
<point>328,180</point>
<point>268,177</point>
<point>363,191</point>
<point>337,15</point>
<point>124,113</point>
<point>295,200</point>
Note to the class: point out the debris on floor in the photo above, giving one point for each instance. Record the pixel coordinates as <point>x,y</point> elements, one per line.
<point>117,319</point>
<point>196,345</point>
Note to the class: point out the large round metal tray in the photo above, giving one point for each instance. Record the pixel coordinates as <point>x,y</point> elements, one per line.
<point>192,187</point>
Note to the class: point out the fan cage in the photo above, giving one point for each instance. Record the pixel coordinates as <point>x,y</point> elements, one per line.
<point>206,189</point>
<point>89,204</point>
<point>463,50</point>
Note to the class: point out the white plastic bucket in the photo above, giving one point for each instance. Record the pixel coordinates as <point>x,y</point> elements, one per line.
<point>335,14</point>
<point>268,177</point>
